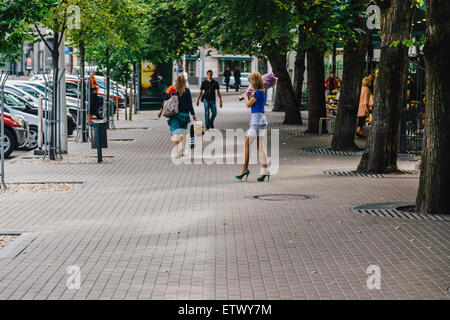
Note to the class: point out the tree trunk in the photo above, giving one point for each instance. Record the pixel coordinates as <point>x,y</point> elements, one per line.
<point>54,110</point>
<point>300,68</point>
<point>278,105</point>
<point>316,89</point>
<point>355,52</point>
<point>382,147</point>
<point>434,188</point>
<point>285,89</point>
<point>83,112</point>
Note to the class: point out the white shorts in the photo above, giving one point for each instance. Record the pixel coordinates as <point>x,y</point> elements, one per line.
<point>258,125</point>
<point>257,132</point>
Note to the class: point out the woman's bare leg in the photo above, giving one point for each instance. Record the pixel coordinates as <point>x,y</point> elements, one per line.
<point>182,142</point>
<point>262,155</point>
<point>246,154</point>
<point>175,141</point>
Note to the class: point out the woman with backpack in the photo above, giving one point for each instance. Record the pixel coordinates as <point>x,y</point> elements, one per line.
<point>179,122</point>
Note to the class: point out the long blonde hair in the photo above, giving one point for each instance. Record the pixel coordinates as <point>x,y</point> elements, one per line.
<point>366,82</point>
<point>180,85</point>
<point>256,80</point>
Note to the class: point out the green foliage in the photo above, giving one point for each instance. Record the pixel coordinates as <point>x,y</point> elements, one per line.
<point>12,30</point>
<point>255,27</point>
<point>120,33</point>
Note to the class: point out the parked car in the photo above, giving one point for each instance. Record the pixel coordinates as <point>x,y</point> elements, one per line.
<point>38,90</point>
<point>24,95</point>
<point>33,125</point>
<point>244,80</point>
<point>23,106</point>
<point>72,89</point>
<point>15,133</point>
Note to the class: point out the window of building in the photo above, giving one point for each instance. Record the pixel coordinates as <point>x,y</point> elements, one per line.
<point>191,67</point>
<point>244,64</point>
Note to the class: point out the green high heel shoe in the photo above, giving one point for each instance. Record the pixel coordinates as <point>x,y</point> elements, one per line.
<point>263,177</point>
<point>244,174</point>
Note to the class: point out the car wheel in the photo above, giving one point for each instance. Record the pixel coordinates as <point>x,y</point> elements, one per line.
<point>9,142</point>
<point>32,139</point>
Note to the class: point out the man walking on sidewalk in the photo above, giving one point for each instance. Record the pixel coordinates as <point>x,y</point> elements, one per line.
<point>227,75</point>
<point>237,78</point>
<point>208,96</point>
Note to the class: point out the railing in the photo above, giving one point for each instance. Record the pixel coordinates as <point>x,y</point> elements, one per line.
<point>413,111</point>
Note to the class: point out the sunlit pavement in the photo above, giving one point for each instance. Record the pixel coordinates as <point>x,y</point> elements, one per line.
<point>141,227</point>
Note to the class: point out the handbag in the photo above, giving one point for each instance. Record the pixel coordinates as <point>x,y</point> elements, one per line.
<point>171,107</point>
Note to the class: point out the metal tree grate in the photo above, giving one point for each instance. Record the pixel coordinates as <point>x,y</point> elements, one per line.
<point>282,197</point>
<point>303,134</point>
<point>121,140</point>
<point>134,128</point>
<point>393,210</point>
<point>340,173</point>
<point>329,151</point>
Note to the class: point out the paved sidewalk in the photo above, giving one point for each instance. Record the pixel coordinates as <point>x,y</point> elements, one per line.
<point>144,228</point>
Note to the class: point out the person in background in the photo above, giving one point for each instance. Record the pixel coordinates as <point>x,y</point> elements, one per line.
<point>186,76</point>
<point>411,94</point>
<point>363,109</point>
<point>179,123</point>
<point>208,96</point>
<point>94,105</point>
<point>227,75</point>
<point>237,78</point>
<point>258,125</point>
<point>332,83</point>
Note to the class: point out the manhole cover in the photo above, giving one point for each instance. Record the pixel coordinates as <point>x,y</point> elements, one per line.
<point>343,173</point>
<point>282,197</point>
<point>329,151</point>
<point>397,210</point>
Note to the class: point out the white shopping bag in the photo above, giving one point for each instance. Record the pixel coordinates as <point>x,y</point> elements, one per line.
<point>198,128</point>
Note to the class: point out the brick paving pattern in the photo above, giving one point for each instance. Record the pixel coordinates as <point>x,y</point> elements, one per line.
<point>143,228</point>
